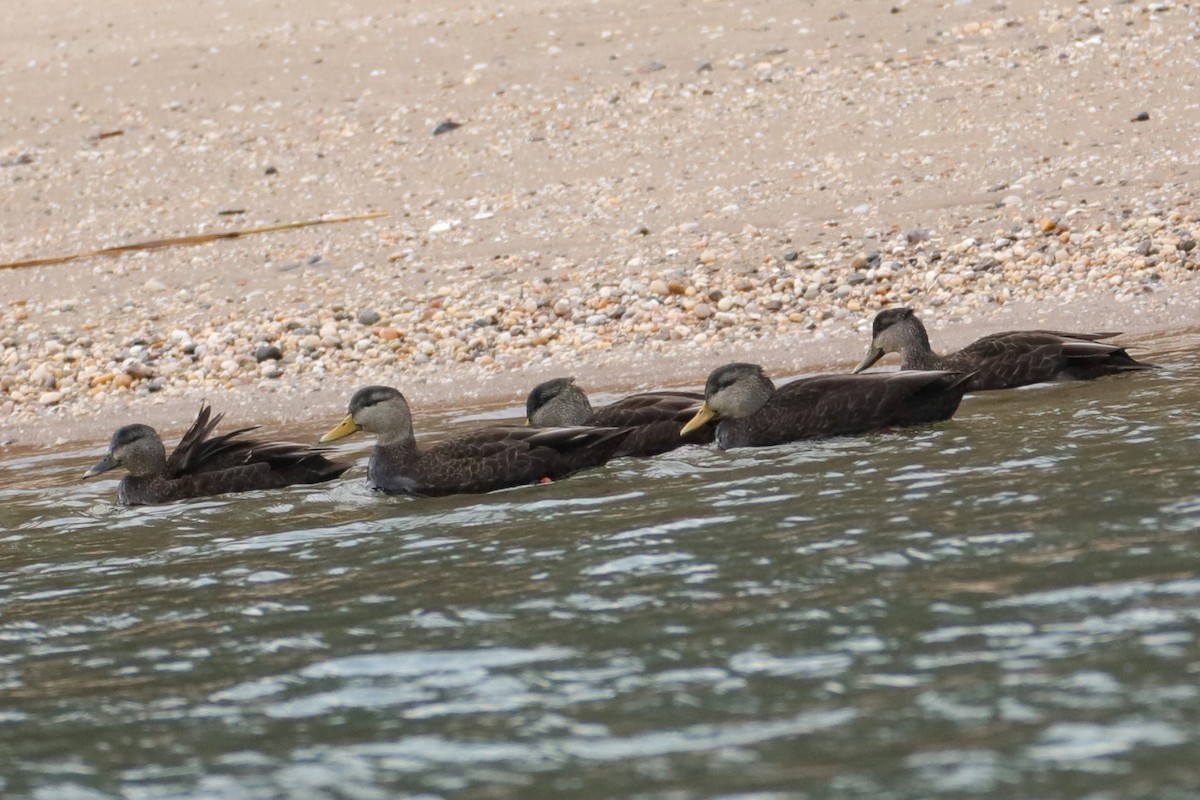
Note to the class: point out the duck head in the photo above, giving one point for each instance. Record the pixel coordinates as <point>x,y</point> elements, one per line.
<point>732,392</point>
<point>557,403</point>
<point>894,330</point>
<point>380,410</point>
<point>137,448</point>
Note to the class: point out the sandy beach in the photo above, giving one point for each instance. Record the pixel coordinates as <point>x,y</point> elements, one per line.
<point>630,194</point>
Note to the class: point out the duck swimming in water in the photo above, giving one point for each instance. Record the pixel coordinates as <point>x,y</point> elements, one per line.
<point>654,417</point>
<point>478,461</point>
<point>1002,360</point>
<point>203,465</point>
<point>751,412</point>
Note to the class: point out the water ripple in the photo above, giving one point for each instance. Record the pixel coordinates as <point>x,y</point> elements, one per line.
<point>1003,604</point>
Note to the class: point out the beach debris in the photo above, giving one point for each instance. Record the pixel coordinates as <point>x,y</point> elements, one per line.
<point>180,241</point>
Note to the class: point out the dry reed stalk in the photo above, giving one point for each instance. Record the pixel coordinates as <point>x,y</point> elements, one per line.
<point>202,238</point>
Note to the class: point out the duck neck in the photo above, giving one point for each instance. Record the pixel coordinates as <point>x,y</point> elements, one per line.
<point>915,349</point>
<point>399,442</point>
<point>390,461</point>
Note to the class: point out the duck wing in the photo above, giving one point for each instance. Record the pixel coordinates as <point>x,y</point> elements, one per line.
<point>649,407</point>
<point>840,405</point>
<point>198,451</point>
<point>1088,360</point>
<point>1020,358</point>
<point>499,457</point>
<point>1086,337</point>
<point>655,419</point>
<point>202,460</point>
<point>244,478</point>
<point>289,463</point>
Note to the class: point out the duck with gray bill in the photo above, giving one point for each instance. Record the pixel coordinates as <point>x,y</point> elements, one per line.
<point>478,461</point>
<point>1001,360</point>
<point>751,412</point>
<point>655,418</point>
<point>202,464</point>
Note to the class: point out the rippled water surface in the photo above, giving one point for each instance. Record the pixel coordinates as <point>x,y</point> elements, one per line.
<point>1005,605</point>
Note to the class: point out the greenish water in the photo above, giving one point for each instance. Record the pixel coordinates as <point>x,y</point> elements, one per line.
<point>1005,605</point>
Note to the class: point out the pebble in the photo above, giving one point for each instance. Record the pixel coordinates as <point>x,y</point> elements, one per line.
<point>368,317</point>
<point>268,352</point>
<point>136,369</point>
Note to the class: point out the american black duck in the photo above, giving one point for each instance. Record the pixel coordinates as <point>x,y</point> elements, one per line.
<point>478,461</point>
<point>203,465</point>
<point>1002,360</point>
<point>655,418</point>
<point>751,412</point>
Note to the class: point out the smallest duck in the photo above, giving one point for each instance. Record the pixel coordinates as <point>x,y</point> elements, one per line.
<point>654,418</point>
<point>1001,360</point>
<point>202,465</point>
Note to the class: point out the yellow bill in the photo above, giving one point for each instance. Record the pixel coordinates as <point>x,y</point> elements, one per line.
<point>344,429</point>
<point>702,416</point>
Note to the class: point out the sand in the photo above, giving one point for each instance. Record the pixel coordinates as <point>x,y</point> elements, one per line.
<point>635,194</point>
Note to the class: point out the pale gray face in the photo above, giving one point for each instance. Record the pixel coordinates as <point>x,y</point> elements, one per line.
<point>893,329</point>
<point>137,448</point>
<point>737,390</point>
<point>383,411</point>
<point>557,403</point>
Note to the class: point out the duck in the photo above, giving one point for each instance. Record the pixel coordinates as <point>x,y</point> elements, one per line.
<point>481,460</point>
<point>751,412</point>
<point>202,465</point>
<point>654,417</point>
<point>1001,360</point>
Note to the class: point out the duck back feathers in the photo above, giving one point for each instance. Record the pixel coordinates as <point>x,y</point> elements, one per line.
<point>655,418</point>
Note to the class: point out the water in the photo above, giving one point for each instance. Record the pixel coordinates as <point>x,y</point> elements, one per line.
<point>1002,606</point>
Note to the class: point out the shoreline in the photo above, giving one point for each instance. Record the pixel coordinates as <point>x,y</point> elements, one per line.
<point>488,394</point>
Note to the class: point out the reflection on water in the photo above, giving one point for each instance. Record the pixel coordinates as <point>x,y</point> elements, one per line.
<point>1003,605</point>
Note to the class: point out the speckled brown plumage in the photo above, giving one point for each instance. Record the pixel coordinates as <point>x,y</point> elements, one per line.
<point>751,412</point>
<point>202,465</point>
<point>478,461</point>
<point>1001,360</point>
<point>655,418</point>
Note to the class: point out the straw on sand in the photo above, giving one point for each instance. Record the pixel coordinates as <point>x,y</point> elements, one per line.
<point>202,238</point>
